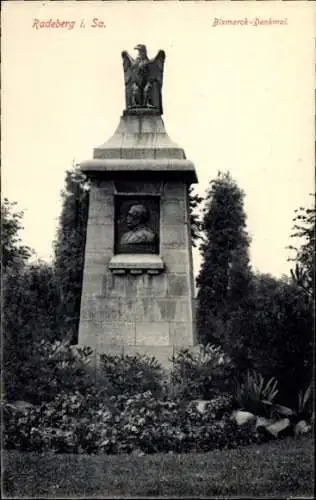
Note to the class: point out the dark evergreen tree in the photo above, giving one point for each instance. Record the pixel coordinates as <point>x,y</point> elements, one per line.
<point>29,303</point>
<point>69,250</point>
<point>304,227</point>
<point>195,218</point>
<point>278,333</point>
<point>14,255</point>
<point>224,278</point>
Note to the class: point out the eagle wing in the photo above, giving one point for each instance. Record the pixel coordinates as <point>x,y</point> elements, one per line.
<point>156,66</point>
<point>128,63</point>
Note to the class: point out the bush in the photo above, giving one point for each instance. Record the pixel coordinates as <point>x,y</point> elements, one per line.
<point>52,368</point>
<point>129,375</point>
<point>74,423</point>
<point>205,373</point>
<point>256,394</point>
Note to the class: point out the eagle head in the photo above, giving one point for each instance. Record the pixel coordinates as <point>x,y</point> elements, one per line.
<point>141,49</point>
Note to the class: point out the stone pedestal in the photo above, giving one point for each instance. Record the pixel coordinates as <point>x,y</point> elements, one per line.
<point>138,298</point>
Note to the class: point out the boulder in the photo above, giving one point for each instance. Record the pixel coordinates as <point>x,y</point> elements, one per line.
<point>262,422</point>
<point>200,405</point>
<point>20,405</point>
<point>302,427</point>
<point>23,404</point>
<point>243,417</point>
<point>276,428</point>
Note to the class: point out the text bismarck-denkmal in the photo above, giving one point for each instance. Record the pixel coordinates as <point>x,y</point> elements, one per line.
<point>67,24</point>
<point>255,21</point>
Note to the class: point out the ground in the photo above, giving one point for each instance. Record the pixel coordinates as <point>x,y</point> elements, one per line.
<point>280,469</point>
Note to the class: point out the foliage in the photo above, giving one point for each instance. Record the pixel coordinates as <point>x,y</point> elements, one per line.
<point>76,424</point>
<point>224,277</point>
<point>256,394</point>
<point>132,374</point>
<point>303,273</point>
<point>195,220</point>
<point>51,368</point>
<point>277,334</point>
<point>203,373</point>
<point>69,249</point>
<point>30,299</point>
<point>221,406</point>
<point>305,401</point>
<point>13,253</point>
<point>302,410</point>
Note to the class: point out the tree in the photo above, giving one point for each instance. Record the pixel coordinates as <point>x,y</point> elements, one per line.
<point>14,259</point>
<point>304,228</point>
<point>276,334</point>
<point>29,301</point>
<point>225,274</point>
<point>14,254</point>
<point>69,249</point>
<point>195,220</point>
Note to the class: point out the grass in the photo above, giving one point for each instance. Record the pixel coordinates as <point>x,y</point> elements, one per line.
<point>278,469</point>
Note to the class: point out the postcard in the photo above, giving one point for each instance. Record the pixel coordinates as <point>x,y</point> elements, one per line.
<point>157,166</point>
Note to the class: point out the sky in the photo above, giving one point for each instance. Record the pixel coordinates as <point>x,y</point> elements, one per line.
<point>237,97</point>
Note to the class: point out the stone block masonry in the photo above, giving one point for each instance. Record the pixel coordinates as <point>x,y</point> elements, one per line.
<point>141,312</point>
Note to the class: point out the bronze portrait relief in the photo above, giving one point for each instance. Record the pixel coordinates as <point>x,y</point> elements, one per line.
<point>137,225</point>
<point>136,220</point>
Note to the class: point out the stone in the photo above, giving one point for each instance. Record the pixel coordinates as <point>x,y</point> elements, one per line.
<point>99,239</point>
<point>152,286</point>
<point>163,354</point>
<point>277,427</point>
<point>243,417</point>
<point>119,271</point>
<point>175,190</point>
<point>176,260</point>
<point>178,285</point>
<point>21,405</point>
<point>147,167</point>
<point>102,212</point>
<point>302,428</point>
<point>174,212</point>
<point>136,262</point>
<point>181,333</point>
<point>174,236</point>
<point>201,405</point>
<point>262,422</point>
<point>120,286</point>
<point>152,333</point>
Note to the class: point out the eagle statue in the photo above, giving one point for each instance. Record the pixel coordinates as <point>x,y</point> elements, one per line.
<point>143,80</point>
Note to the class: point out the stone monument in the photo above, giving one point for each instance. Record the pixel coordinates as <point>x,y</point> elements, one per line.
<point>137,293</point>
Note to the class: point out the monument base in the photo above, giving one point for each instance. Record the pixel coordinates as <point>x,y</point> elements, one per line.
<point>163,354</point>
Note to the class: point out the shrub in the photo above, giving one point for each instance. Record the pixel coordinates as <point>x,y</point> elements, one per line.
<point>203,373</point>
<point>221,406</point>
<point>128,375</point>
<point>302,411</point>
<point>256,394</point>
<point>73,423</point>
<point>55,367</point>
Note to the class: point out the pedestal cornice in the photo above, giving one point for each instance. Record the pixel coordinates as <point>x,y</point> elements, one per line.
<point>140,144</point>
